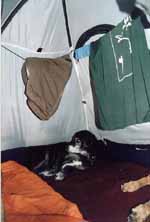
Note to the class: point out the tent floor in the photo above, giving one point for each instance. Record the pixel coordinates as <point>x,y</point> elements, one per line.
<point>96,190</point>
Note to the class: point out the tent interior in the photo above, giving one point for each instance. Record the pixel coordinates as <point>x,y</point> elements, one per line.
<point>67,67</point>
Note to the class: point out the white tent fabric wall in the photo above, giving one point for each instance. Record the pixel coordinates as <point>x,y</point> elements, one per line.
<point>41,24</point>
<point>38,24</point>
<point>86,13</point>
<point>20,127</point>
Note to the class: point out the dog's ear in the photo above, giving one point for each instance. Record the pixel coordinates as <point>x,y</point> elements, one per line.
<point>92,140</point>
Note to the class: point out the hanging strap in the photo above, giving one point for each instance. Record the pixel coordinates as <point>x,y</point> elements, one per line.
<point>82,49</point>
<point>66,22</point>
<point>82,52</point>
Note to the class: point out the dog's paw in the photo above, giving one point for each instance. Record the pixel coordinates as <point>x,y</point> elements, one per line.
<point>130,186</point>
<point>138,214</point>
<point>59,176</point>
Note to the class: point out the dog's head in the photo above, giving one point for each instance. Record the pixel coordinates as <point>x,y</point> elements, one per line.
<point>84,143</point>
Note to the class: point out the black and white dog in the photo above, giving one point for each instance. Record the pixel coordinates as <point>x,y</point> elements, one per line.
<point>79,154</point>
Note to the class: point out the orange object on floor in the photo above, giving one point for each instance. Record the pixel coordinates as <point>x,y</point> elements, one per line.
<point>41,218</point>
<point>26,195</point>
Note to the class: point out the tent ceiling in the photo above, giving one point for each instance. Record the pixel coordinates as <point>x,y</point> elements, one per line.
<point>78,10</point>
<point>8,6</point>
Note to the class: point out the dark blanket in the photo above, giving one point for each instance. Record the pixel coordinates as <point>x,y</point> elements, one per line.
<point>97,191</point>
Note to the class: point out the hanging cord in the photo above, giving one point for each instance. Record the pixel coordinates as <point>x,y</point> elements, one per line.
<point>66,22</point>
<point>13,53</point>
<point>19,50</point>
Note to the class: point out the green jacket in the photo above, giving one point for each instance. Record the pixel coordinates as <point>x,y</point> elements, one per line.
<point>120,74</point>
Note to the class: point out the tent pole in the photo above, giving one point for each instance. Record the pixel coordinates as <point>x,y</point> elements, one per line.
<point>12,14</point>
<point>81,90</point>
<point>66,22</point>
